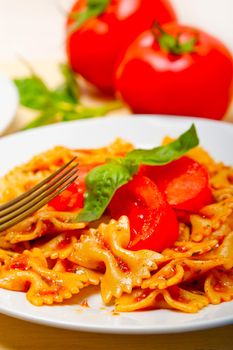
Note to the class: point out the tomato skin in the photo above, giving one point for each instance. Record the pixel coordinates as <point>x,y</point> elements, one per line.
<point>93,48</point>
<point>153,222</point>
<point>184,182</point>
<point>151,80</point>
<point>73,196</point>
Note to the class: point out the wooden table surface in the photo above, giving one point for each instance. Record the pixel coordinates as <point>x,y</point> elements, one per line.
<point>20,335</point>
<point>17,334</point>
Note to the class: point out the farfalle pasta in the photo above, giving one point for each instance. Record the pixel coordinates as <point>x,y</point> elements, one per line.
<point>51,256</point>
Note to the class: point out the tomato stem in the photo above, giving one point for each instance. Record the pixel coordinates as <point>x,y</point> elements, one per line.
<point>171,43</point>
<point>94,8</point>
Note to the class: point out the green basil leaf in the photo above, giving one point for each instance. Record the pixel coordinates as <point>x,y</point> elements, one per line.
<point>33,92</point>
<point>165,154</point>
<point>61,95</point>
<point>102,182</point>
<point>70,82</point>
<point>69,91</point>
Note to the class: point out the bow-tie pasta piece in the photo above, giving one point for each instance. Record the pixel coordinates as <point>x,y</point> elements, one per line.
<point>123,269</point>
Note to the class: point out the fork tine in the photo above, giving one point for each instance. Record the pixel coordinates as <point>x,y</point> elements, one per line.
<point>44,195</point>
<point>36,206</point>
<point>39,189</point>
<point>36,187</point>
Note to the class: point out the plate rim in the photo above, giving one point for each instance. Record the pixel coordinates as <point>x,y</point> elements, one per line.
<point>185,328</point>
<point>120,116</point>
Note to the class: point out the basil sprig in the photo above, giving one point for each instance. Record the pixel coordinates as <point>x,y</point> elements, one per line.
<point>103,181</point>
<point>60,104</point>
<point>165,154</point>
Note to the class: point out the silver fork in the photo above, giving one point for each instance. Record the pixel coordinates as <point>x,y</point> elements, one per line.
<point>16,210</point>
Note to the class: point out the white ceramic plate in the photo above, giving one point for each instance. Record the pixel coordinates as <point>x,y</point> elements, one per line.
<point>8,102</point>
<point>216,137</point>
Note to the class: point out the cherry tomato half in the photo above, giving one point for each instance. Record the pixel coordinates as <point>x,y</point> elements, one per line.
<point>73,196</point>
<point>184,182</point>
<point>153,222</point>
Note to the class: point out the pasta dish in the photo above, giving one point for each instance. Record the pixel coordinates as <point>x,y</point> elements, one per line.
<point>157,236</point>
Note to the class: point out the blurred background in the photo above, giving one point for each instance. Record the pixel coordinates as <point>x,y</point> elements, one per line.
<point>34,29</point>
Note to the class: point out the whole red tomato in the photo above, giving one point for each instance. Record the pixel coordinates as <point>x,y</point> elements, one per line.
<point>93,48</point>
<point>176,70</point>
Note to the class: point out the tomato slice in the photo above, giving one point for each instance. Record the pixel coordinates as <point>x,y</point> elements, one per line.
<point>153,223</point>
<point>184,182</point>
<point>73,196</point>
